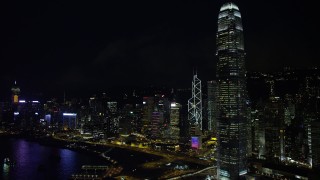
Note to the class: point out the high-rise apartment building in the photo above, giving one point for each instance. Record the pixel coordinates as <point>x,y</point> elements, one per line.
<point>232,96</point>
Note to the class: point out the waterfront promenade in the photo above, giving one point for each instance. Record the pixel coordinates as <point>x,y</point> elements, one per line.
<point>134,162</point>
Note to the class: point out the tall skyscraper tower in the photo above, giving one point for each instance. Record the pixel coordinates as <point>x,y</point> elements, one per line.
<point>212,106</point>
<point>15,93</point>
<point>174,121</point>
<point>231,98</point>
<point>195,108</point>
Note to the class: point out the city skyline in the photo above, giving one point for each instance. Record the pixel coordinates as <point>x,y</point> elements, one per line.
<point>113,81</point>
<point>55,47</point>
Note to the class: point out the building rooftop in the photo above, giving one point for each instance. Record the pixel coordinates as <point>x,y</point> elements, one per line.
<point>229,6</point>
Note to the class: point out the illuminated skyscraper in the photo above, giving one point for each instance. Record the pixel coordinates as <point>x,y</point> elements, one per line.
<point>15,93</point>
<point>274,128</point>
<point>315,144</point>
<point>69,121</point>
<point>174,121</point>
<point>212,109</point>
<point>231,98</point>
<point>147,109</point>
<point>195,108</point>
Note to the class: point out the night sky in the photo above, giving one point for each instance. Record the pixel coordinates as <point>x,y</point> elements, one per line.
<point>87,46</point>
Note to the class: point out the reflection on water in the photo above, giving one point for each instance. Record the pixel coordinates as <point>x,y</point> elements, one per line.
<point>34,161</point>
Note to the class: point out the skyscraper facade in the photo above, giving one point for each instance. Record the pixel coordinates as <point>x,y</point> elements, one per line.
<point>195,108</point>
<point>231,81</point>
<point>212,109</point>
<point>315,145</point>
<point>174,121</point>
<point>15,93</point>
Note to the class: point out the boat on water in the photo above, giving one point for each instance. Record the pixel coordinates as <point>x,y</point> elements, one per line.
<point>8,162</point>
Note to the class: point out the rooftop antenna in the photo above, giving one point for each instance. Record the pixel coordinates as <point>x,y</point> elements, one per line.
<point>195,71</point>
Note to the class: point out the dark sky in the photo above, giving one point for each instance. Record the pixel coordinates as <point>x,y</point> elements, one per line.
<point>87,46</point>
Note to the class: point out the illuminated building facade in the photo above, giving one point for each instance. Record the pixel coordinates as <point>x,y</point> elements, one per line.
<point>155,116</point>
<point>112,106</point>
<point>69,121</point>
<point>160,116</point>
<point>274,129</point>
<point>174,121</point>
<point>15,93</point>
<point>195,107</point>
<point>231,98</point>
<point>156,122</point>
<point>212,106</point>
<point>27,114</point>
<point>315,145</point>
<point>112,126</point>
<point>147,109</point>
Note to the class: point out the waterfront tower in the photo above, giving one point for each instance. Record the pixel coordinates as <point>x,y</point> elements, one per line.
<point>231,98</point>
<point>69,121</point>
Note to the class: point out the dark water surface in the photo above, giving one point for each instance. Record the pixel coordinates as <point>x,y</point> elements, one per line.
<point>41,162</point>
<point>34,161</point>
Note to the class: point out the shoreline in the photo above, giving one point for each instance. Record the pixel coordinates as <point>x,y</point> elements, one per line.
<point>62,144</point>
<point>148,163</point>
<point>52,142</point>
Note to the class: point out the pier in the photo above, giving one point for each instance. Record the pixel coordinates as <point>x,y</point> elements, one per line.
<point>95,168</point>
<point>95,172</point>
